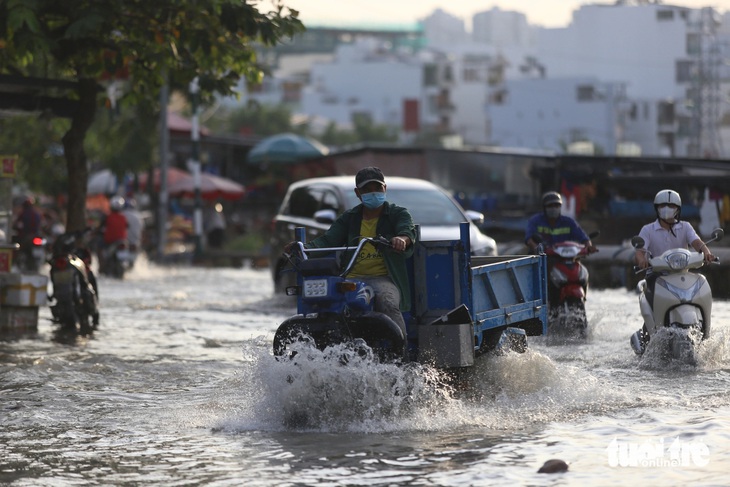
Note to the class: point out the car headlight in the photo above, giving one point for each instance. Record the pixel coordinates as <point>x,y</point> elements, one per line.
<point>484,251</point>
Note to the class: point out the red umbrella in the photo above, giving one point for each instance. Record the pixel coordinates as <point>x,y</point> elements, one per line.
<point>174,176</point>
<point>212,187</point>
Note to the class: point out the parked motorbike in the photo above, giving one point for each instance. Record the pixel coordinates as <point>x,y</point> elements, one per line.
<point>680,303</point>
<point>74,300</point>
<point>32,254</point>
<point>333,309</point>
<point>116,259</point>
<point>567,287</point>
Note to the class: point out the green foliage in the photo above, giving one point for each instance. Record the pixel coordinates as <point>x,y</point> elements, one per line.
<point>364,131</point>
<point>147,43</point>
<point>264,120</point>
<point>125,141</point>
<point>213,39</point>
<point>37,142</point>
<point>250,243</point>
<point>258,119</point>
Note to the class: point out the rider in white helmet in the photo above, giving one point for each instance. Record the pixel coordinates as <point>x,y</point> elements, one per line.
<point>666,232</point>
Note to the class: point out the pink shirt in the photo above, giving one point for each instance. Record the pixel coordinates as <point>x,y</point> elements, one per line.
<point>658,240</point>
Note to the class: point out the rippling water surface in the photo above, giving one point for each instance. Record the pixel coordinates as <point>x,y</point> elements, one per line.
<point>179,387</point>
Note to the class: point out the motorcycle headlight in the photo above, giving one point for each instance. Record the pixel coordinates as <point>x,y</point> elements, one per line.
<point>315,288</point>
<point>677,260</point>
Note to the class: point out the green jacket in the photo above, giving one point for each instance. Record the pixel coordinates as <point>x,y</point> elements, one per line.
<point>394,220</point>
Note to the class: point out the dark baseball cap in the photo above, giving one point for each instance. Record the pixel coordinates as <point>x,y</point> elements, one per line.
<point>367,175</point>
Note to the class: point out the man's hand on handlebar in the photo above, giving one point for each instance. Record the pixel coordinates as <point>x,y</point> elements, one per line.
<point>291,247</point>
<point>400,243</point>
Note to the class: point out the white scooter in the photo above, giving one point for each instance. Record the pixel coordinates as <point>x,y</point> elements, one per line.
<point>681,302</point>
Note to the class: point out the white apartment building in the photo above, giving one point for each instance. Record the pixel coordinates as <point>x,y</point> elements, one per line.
<point>636,55</point>
<point>363,79</point>
<point>553,114</point>
<point>654,49</point>
<point>502,28</point>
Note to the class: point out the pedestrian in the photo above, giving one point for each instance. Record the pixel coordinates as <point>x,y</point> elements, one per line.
<point>215,226</point>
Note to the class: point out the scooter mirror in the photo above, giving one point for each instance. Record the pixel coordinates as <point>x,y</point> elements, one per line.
<point>637,242</point>
<point>718,234</point>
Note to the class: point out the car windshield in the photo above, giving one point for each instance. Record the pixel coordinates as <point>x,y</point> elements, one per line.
<point>427,207</point>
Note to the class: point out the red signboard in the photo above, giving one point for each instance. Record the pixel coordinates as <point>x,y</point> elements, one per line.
<point>411,121</point>
<point>7,170</point>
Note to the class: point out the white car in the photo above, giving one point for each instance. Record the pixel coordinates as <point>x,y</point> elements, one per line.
<point>315,203</point>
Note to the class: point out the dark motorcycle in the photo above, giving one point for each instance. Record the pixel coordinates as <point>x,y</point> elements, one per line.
<point>74,297</point>
<point>32,254</point>
<point>116,259</point>
<point>567,288</point>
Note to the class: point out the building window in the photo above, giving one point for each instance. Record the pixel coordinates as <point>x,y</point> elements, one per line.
<point>430,75</point>
<point>471,75</point>
<point>586,93</point>
<point>665,15</point>
<point>694,44</point>
<point>684,71</point>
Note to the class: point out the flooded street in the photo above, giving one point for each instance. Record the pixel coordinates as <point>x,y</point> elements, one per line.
<point>179,387</point>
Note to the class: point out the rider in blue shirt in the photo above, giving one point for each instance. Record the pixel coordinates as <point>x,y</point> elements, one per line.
<point>552,227</point>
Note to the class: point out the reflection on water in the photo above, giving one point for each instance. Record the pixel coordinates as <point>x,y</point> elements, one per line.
<point>179,386</point>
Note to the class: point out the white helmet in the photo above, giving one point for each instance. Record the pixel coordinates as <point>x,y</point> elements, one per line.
<point>117,203</point>
<point>667,196</point>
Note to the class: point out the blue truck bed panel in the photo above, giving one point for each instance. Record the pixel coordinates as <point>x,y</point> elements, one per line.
<point>499,292</point>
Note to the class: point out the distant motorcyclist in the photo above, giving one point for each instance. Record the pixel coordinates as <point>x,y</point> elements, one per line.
<point>665,233</point>
<point>553,227</point>
<point>27,226</point>
<point>112,229</point>
<point>28,222</point>
<point>134,225</point>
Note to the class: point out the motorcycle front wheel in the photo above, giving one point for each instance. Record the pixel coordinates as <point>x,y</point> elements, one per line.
<point>568,319</point>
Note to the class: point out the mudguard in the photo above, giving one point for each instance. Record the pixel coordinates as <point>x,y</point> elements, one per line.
<point>379,331</point>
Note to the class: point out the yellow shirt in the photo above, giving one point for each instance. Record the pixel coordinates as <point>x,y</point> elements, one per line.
<point>370,262</point>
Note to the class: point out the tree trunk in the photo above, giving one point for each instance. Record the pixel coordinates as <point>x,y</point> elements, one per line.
<point>73,145</point>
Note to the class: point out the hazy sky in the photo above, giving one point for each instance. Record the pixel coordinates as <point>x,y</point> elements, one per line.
<point>549,13</point>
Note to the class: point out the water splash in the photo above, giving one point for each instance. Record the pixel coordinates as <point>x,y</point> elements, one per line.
<point>709,354</point>
<point>340,390</point>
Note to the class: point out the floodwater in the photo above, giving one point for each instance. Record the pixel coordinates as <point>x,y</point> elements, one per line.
<point>179,387</point>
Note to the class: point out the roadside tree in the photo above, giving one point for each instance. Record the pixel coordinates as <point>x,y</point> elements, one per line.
<point>143,43</point>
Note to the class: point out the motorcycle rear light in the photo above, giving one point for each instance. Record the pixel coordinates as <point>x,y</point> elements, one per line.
<point>315,288</point>
<point>346,287</point>
<point>37,241</point>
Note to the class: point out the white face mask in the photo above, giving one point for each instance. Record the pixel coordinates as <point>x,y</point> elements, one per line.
<point>553,212</point>
<point>667,213</point>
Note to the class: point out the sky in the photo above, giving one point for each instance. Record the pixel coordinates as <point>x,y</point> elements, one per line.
<point>548,13</point>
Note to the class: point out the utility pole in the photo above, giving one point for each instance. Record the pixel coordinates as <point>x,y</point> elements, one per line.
<point>162,195</point>
<point>194,165</point>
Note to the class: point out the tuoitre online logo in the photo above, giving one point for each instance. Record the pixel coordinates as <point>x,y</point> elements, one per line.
<point>658,453</point>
